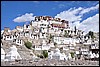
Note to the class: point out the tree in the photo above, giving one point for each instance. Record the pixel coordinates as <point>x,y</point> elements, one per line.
<point>45,53</point>
<point>91,34</point>
<point>51,36</point>
<point>66,34</point>
<point>75,29</point>
<point>28,44</point>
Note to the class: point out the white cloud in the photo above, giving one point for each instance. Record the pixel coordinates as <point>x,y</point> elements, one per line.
<point>61,5</point>
<point>70,15</point>
<point>75,15</point>
<point>24,18</point>
<point>90,24</point>
<point>89,9</point>
<point>35,1</point>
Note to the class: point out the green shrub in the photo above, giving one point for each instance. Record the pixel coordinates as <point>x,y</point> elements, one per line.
<point>72,54</point>
<point>28,44</point>
<point>45,54</point>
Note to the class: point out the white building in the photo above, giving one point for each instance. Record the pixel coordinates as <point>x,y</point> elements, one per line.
<point>42,35</point>
<point>43,24</point>
<point>34,23</point>
<point>27,27</point>
<point>8,37</point>
<point>94,46</point>
<point>2,31</point>
<point>84,51</point>
<point>45,46</point>
<point>43,30</point>
<point>77,52</point>
<point>21,34</point>
<point>18,41</point>
<point>19,28</point>
<point>34,36</point>
<point>92,55</point>
<point>13,55</point>
<point>27,34</point>
<point>40,24</point>
<point>51,45</point>
<point>51,31</point>
<point>55,22</point>
<point>38,47</point>
<point>63,40</point>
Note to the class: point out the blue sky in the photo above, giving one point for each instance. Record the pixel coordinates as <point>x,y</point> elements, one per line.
<point>10,10</point>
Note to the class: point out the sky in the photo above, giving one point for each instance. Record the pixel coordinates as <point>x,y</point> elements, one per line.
<point>82,14</point>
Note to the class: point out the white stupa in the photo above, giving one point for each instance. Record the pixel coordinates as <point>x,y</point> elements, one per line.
<point>34,57</point>
<point>13,55</point>
<point>63,56</point>
<point>59,56</point>
<point>2,54</point>
<point>56,55</point>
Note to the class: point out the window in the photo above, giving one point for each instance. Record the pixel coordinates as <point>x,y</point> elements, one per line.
<point>45,25</point>
<point>20,42</point>
<point>14,39</point>
<point>26,26</point>
<point>42,34</point>
<point>43,28</point>
<point>61,29</point>
<point>7,37</point>
<point>10,36</point>
<point>17,41</point>
<point>38,19</point>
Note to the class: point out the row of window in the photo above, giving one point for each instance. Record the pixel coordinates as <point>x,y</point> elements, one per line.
<point>18,41</point>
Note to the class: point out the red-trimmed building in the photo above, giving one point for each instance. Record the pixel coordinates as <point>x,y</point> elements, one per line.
<point>63,25</point>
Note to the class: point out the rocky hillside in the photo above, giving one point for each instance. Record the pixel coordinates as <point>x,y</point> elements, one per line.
<point>22,50</point>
